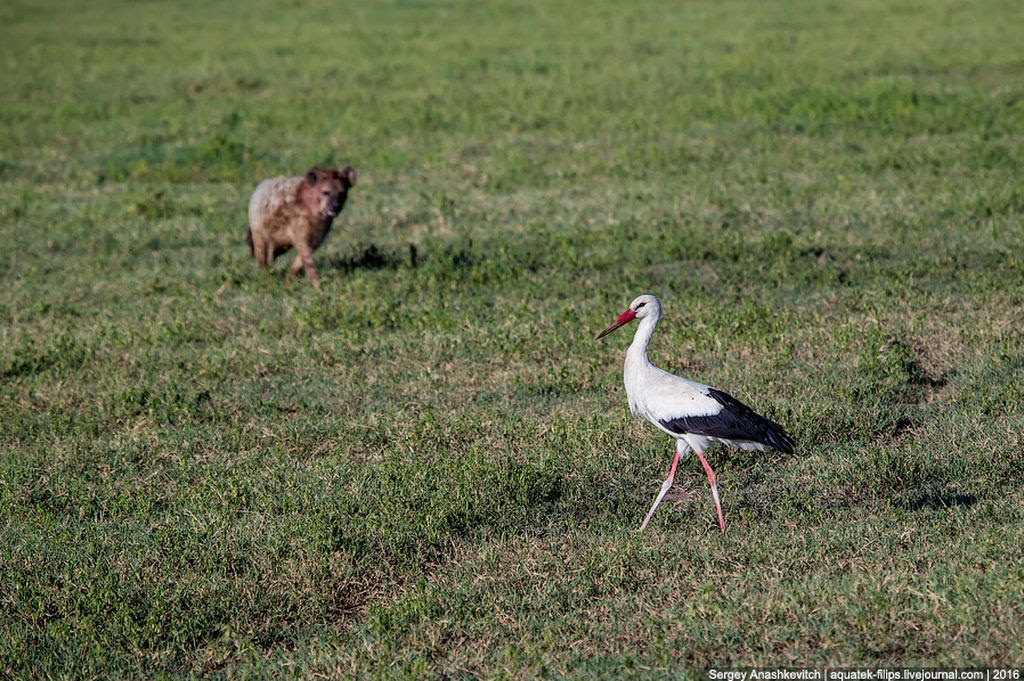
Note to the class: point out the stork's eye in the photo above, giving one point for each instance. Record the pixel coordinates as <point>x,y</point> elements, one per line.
<point>639,305</point>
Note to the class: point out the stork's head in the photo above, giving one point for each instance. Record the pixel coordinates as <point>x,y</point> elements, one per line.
<point>642,307</point>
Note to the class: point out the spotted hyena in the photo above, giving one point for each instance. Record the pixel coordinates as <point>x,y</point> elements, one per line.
<point>296,211</point>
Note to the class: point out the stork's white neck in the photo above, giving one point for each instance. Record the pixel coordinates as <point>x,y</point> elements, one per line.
<point>637,365</point>
<point>637,352</point>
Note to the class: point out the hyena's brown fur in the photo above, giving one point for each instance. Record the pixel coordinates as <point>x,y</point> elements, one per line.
<point>296,211</point>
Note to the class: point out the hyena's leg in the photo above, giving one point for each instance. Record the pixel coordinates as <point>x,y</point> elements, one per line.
<point>296,268</point>
<point>306,259</point>
<point>259,249</point>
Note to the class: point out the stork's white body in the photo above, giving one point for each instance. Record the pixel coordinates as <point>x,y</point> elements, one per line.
<point>696,415</point>
<point>661,397</point>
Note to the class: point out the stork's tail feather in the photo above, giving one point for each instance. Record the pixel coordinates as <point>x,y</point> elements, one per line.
<point>776,437</point>
<point>757,427</point>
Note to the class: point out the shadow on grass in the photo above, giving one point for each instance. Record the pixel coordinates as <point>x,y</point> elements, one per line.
<point>372,258</point>
<point>940,500</point>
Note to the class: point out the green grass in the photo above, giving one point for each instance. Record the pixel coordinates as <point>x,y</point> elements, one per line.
<point>428,466</point>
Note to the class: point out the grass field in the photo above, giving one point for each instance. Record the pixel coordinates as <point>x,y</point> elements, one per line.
<point>428,466</point>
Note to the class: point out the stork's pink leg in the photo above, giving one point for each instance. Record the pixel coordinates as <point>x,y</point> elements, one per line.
<point>713,480</point>
<point>664,488</point>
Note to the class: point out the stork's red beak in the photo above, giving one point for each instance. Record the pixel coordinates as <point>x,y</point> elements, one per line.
<point>625,318</point>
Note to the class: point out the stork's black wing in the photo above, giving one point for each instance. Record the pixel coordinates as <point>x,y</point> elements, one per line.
<point>736,421</point>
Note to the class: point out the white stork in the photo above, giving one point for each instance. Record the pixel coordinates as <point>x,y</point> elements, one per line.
<point>696,415</point>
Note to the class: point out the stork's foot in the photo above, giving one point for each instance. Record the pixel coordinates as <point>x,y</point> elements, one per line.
<point>718,507</point>
<point>665,486</point>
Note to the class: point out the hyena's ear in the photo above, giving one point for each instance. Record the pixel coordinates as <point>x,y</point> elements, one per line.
<point>348,175</point>
<point>312,176</point>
